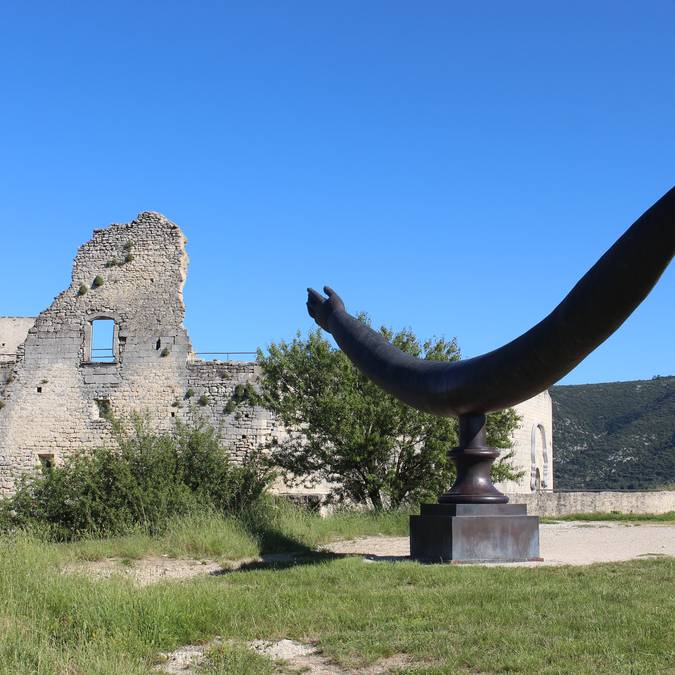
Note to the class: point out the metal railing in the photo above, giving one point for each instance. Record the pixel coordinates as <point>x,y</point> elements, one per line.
<point>107,357</point>
<point>226,354</point>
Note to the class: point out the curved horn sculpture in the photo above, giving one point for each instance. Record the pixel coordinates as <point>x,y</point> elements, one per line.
<point>599,303</point>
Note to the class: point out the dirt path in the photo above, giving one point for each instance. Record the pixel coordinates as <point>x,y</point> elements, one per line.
<point>567,543</point>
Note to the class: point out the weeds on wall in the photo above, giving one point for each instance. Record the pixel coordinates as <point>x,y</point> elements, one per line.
<point>2,405</point>
<point>243,393</point>
<point>189,393</point>
<point>144,483</point>
<point>98,281</point>
<point>165,352</point>
<point>203,400</point>
<point>83,289</point>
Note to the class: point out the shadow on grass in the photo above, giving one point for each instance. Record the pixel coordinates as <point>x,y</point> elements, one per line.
<point>281,561</point>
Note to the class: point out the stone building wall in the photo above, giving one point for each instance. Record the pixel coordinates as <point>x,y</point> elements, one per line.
<point>13,332</point>
<point>532,444</point>
<point>219,398</point>
<point>53,393</point>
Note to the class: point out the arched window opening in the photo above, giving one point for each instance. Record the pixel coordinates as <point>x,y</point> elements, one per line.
<point>102,347</point>
<point>544,452</point>
<point>536,482</point>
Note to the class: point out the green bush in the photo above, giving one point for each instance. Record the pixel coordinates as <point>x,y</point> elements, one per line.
<point>148,480</point>
<point>203,400</point>
<point>98,281</point>
<point>83,289</point>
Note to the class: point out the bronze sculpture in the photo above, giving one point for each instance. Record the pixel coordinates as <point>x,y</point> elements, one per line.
<point>599,303</point>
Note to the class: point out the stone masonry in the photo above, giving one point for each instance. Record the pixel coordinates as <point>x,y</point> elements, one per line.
<point>54,392</point>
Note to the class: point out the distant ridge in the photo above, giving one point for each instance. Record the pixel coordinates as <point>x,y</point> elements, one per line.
<point>615,435</point>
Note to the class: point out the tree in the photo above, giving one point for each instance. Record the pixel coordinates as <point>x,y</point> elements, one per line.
<point>346,430</point>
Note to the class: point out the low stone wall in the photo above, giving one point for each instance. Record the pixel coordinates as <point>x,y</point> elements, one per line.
<point>552,504</point>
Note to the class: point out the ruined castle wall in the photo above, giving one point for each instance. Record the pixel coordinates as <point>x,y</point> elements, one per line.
<point>50,405</point>
<point>53,393</point>
<point>214,386</point>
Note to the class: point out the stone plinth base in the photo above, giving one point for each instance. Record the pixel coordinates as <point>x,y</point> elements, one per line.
<point>474,533</point>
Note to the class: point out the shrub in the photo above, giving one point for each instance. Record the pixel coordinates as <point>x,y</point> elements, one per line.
<point>112,263</point>
<point>83,289</point>
<point>128,257</point>
<point>203,400</point>
<point>98,281</point>
<point>165,352</point>
<point>189,393</point>
<point>128,246</point>
<point>2,405</point>
<point>149,479</point>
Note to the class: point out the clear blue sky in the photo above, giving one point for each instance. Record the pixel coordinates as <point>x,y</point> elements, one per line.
<point>450,167</point>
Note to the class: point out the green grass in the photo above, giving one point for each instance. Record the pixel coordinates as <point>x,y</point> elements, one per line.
<point>668,517</point>
<point>273,526</point>
<point>609,618</point>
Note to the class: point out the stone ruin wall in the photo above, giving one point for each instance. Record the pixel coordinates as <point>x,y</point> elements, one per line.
<point>50,388</point>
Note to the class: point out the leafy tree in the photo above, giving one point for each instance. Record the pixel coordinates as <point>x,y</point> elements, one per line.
<point>347,431</point>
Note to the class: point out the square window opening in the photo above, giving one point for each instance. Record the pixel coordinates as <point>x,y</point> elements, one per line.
<point>102,341</point>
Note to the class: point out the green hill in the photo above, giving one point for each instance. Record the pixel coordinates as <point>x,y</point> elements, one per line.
<point>615,435</point>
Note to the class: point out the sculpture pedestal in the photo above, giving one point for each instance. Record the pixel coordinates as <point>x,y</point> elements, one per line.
<point>474,533</point>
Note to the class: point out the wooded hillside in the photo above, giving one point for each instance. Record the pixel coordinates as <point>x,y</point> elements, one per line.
<point>615,435</point>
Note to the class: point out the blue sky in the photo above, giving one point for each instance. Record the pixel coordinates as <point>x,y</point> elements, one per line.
<point>449,167</point>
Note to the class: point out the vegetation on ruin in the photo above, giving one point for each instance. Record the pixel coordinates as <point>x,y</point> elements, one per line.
<point>142,484</point>
<point>242,394</point>
<point>615,435</point>
<point>606,618</point>
<point>375,449</point>
<point>98,281</point>
<point>83,289</point>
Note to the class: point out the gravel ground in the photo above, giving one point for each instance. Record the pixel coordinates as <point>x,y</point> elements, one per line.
<point>565,543</point>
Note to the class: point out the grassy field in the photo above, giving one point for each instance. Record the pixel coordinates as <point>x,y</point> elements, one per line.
<point>610,618</point>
